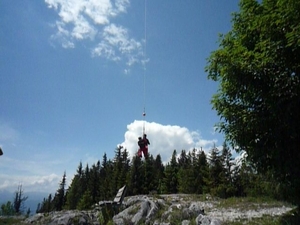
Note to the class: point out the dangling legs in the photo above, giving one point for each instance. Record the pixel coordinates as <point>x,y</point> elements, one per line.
<point>145,151</point>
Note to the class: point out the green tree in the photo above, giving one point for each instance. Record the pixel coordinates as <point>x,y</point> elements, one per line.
<point>46,205</point>
<point>59,197</point>
<point>170,182</point>
<point>28,212</point>
<point>149,176</point>
<point>216,173</point>
<point>228,165</point>
<point>117,170</point>
<point>186,178</point>
<point>86,201</point>
<point>158,173</point>
<point>135,177</point>
<point>257,67</point>
<point>75,191</point>
<point>125,168</point>
<point>106,173</point>
<point>201,171</point>
<point>7,209</point>
<point>94,182</point>
<point>19,200</point>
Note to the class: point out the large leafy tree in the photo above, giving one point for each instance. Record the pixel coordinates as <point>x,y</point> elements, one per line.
<point>257,67</point>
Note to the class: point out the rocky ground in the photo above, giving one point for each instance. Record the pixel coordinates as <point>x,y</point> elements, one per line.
<point>167,209</point>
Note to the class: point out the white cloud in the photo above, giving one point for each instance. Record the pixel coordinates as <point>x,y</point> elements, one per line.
<point>46,183</point>
<point>164,139</point>
<point>116,42</point>
<point>91,19</point>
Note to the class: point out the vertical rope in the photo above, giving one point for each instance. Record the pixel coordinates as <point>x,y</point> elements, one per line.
<point>145,58</point>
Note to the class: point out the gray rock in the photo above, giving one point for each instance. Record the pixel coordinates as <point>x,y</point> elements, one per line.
<point>157,210</point>
<point>34,218</point>
<point>139,209</point>
<point>185,222</point>
<point>205,220</point>
<point>197,208</point>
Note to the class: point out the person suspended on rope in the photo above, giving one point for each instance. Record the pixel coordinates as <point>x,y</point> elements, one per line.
<point>146,143</point>
<point>143,146</point>
<point>146,140</point>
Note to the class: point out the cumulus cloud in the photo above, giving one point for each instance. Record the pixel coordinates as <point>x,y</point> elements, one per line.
<point>46,183</point>
<point>92,19</point>
<point>164,139</point>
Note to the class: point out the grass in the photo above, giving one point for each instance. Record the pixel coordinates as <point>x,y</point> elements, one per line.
<point>10,221</point>
<point>290,218</point>
<point>250,203</point>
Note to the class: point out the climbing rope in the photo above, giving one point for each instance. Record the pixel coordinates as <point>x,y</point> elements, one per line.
<point>144,64</point>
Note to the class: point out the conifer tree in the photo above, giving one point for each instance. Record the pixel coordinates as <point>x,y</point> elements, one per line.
<point>216,173</point>
<point>124,169</point>
<point>135,177</point>
<point>186,177</point>
<point>19,200</point>
<point>228,164</point>
<point>7,209</point>
<point>201,171</point>
<point>158,169</point>
<point>86,201</point>
<point>117,170</point>
<point>170,183</point>
<point>94,182</point>
<point>148,184</point>
<point>59,197</point>
<point>47,205</point>
<point>106,173</point>
<point>75,189</point>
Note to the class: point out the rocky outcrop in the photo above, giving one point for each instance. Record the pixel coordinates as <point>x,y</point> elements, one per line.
<point>67,217</point>
<point>158,210</point>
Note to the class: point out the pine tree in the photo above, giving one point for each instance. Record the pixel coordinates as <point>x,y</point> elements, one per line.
<point>117,170</point>
<point>148,184</point>
<point>7,209</point>
<point>170,182</point>
<point>158,169</point>
<point>38,208</point>
<point>135,177</point>
<point>201,171</point>
<point>228,164</point>
<point>124,169</point>
<point>106,174</point>
<point>75,189</point>
<point>19,200</point>
<point>185,173</point>
<point>94,182</point>
<point>46,205</point>
<point>86,201</point>
<point>216,173</point>
<point>59,197</point>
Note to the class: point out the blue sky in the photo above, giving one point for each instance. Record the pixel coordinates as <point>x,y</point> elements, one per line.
<point>72,75</point>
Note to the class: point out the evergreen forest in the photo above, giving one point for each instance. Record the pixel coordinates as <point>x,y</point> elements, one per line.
<point>190,172</point>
